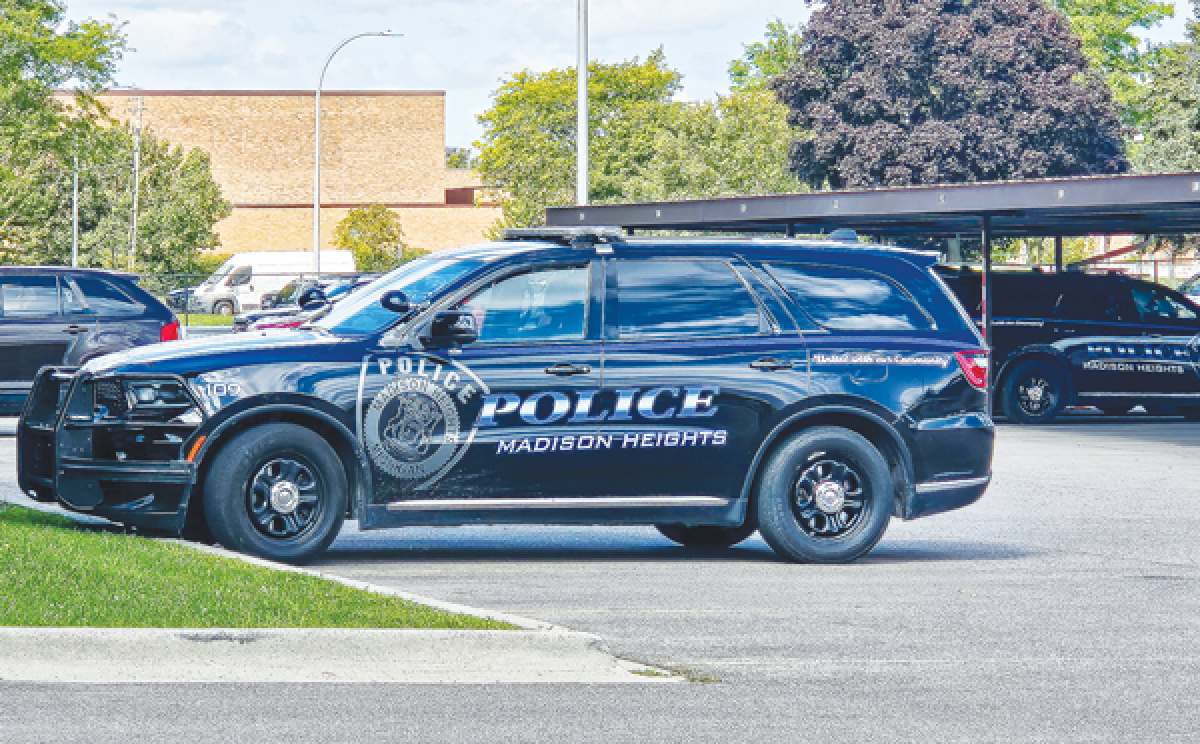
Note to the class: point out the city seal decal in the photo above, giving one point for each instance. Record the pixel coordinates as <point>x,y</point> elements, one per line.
<point>412,428</point>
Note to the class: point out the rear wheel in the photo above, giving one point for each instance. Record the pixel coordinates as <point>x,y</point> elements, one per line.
<point>1034,393</point>
<point>706,537</point>
<point>276,491</point>
<point>825,497</point>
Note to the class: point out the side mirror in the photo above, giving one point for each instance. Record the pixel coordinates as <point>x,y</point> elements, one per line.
<point>311,299</point>
<point>453,327</point>
<point>396,301</point>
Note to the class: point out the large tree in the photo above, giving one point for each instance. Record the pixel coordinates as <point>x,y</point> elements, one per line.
<point>376,237</point>
<point>1171,102</point>
<point>898,92</point>
<point>528,149</point>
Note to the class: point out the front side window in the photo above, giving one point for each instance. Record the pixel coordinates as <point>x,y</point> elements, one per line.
<point>681,298</point>
<point>29,296</point>
<point>1087,304</point>
<point>547,304</point>
<point>845,299</point>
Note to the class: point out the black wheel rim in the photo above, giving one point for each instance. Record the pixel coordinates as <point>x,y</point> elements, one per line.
<point>1035,395</point>
<point>285,498</point>
<point>829,499</point>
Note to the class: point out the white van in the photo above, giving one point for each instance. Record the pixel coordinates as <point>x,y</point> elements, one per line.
<point>239,284</point>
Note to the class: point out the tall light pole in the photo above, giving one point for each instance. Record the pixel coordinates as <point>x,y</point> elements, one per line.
<point>137,180</point>
<point>316,237</point>
<point>581,108</point>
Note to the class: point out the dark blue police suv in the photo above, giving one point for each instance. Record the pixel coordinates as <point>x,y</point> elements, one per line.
<point>807,390</point>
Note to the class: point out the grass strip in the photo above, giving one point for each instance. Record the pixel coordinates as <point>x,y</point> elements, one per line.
<point>54,572</point>
<point>206,320</point>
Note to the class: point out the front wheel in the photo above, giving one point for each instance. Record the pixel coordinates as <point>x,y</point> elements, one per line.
<point>825,497</point>
<point>277,491</point>
<point>1034,393</point>
<point>706,536</point>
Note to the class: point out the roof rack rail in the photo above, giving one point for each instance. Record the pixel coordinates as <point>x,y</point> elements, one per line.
<point>580,237</point>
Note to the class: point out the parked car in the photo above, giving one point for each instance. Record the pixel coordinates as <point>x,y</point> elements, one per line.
<point>808,390</point>
<point>1103,340</point>
<point>57,316</point>
<point>239,283</point>
<point>299,300</point>
<point>1191,289</point>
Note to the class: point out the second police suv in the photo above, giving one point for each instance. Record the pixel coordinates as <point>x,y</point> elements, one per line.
<point>807,390</point>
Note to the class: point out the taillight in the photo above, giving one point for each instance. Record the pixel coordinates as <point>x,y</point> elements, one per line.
<point>169,332</point>
<point>974,365</point>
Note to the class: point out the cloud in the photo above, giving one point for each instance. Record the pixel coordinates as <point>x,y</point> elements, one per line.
<point>185,40</point>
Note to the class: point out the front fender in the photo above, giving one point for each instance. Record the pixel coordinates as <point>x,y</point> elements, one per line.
<point>292,407</point>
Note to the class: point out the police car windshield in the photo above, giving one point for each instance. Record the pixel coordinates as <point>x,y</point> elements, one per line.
<point>361,313</point>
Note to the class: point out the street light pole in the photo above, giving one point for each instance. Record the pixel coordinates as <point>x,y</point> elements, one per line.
<point>581,107</point>
<point>137,181</point>
<point>75,211</point>
<point>316,237</point>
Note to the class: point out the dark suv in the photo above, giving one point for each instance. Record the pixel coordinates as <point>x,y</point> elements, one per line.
<point>809,390</point>
<point>1103,340</point>
<point>57,316</point>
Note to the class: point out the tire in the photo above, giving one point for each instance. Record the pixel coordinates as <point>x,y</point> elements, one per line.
<point>248,511</point>
<point>798,472</point>
<point>224,307</point>
<point>706,537</point>
<point>1034,393</point>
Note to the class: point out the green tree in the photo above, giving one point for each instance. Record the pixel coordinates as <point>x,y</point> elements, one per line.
<point>763,60</point>
<point>1171,104</point>
<point>178,205</point>
<point>1107,29</point>
<point>374,234</point>
<point>40,54</point>
<point>737,144</point>
<point>527,154</point>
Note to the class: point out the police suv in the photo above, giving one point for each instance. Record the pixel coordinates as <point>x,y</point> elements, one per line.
<point>807,390</point>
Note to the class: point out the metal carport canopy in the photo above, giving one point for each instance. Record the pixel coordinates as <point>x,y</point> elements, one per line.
<point>1160,204</point>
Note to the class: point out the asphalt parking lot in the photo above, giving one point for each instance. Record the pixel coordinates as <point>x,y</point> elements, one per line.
<point>1065,606</point>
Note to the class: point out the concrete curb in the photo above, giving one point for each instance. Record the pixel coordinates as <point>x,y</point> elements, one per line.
<point>141,655</point>
<point>539,652</point>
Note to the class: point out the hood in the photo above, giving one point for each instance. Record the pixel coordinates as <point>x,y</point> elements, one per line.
<point>217,352</point>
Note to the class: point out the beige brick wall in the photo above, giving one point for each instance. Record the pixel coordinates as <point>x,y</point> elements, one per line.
<point>429,228</point>
<point>376,147</point>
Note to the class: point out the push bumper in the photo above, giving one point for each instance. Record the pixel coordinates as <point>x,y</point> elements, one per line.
<point>57,462</point>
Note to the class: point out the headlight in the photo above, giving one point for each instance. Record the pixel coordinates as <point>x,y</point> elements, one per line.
<point>145,399</point>
<point>155,393</point>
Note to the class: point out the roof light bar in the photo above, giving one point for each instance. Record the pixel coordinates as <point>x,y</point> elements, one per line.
<point>580,236</point>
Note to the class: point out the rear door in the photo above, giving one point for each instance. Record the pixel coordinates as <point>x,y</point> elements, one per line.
<point>31,332</point>
<point>1168,349</point>
<point>695,369</point>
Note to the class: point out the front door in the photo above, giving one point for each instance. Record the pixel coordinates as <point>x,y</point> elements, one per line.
<point>32,333</point>
<point>500,423</point>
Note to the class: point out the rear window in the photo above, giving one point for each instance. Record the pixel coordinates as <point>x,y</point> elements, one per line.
<point>845,299</point>
<point>100,297</point>
<point>683,298</point>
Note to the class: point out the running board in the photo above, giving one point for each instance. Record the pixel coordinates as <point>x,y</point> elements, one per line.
<point>598,502</point>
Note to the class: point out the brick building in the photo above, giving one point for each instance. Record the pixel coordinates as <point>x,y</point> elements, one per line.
<point>376,146</point>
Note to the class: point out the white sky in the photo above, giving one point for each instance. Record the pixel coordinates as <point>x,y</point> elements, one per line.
<point>461,46</point>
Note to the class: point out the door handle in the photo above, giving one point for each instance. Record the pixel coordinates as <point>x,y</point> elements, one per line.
<point>766,364</point>
<point>563,369</point>
<point>73,329</point>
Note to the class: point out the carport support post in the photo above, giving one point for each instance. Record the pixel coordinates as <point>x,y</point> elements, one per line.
<point>985,228</point>
<point>1058,254</point>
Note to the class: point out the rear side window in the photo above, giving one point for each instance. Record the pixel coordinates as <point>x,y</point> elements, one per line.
<point>845,299</point>
<point>1019,297</point>
<point>29,296</point>
<point>1086,304</point>
<point>102,298</point>
<point>668,298</point>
